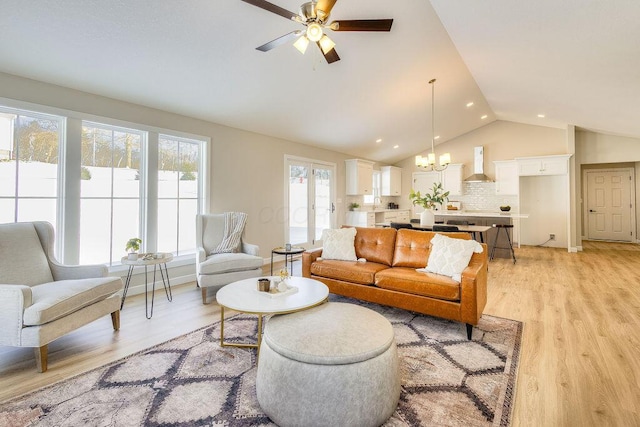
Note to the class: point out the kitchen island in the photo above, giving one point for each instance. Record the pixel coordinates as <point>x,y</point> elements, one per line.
<point>488,218</point>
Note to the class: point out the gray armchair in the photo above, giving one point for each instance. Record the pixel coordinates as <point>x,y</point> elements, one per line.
<point>215,271</point>
<point>41,299</point>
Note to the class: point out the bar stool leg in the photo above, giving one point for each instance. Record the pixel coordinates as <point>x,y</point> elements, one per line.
<point>495,242</point>
<point>513,254</point>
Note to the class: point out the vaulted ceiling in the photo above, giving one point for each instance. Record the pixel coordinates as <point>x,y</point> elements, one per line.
<point>574,61</point>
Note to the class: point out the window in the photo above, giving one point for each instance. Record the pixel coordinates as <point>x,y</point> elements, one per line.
<point>178,184</point>
<point>110,191</point>
<point>97,185</point>
<point>30,146</point>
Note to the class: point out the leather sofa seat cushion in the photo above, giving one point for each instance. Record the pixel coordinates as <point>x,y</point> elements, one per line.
<point>410,281</point>
<point>229,262</point>
<point>54,300</point>
<point>375,244</point>
<point>412,247</point>
<point>362,273</point>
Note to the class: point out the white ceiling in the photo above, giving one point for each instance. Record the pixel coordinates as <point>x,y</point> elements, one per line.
<point>576,61</point>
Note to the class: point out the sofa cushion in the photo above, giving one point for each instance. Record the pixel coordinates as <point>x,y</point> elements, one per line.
<point>229,262</point>
<point>22,259</point>
<point>405,279</point>
<point>54,300</point>
<point>362,273</point>
<point>338,244</point>
<point>412,247</point>
<point>375,244</point>
<point>451,256</point>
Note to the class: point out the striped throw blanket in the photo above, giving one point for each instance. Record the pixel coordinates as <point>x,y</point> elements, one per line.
<point>234,223</point>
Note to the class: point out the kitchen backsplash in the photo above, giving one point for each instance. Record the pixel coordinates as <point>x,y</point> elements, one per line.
<point>481,196</point>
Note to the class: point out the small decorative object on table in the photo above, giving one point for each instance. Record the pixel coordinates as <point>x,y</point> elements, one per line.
<point>263,285</point>
<point>287,247</point>
<point>282,285</point>
<point>133,246</point>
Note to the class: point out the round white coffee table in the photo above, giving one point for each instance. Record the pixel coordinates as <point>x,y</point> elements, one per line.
<point>243,296</point>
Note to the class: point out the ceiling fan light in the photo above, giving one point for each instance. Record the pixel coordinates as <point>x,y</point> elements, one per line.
<point>314,32</point>
<point>326,44</point>
<point>301,44</point>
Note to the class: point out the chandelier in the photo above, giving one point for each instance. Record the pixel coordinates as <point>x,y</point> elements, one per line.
<point>429,162</point>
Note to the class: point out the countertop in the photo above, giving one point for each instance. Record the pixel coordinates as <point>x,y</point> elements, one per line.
<point>484,214</point>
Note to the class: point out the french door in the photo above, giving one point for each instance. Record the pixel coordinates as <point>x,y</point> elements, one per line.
<point>310,196</point>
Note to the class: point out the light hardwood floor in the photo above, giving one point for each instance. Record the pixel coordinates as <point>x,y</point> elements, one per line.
<point>580,353</point>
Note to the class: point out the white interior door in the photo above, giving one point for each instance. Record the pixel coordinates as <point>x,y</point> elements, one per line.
<point>609,207</point>
<point>311,201</point>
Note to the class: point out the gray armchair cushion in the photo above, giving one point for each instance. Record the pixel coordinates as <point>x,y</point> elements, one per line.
<point>229,262</point>
<point>22,260</point>
<point>51,301</point>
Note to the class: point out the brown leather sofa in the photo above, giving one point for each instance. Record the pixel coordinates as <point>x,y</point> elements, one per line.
<point>389,276</point>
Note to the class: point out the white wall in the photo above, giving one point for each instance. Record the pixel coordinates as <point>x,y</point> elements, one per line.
<point>545,199</point>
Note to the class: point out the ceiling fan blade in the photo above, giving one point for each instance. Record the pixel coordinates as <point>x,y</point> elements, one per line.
<point>362,25</point>
<point>331,56</point>
<point>325,5</point>
<point>263,4</point>
<point>280,40</point>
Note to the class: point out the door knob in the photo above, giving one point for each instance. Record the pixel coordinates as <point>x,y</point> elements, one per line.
<point>591,210</point>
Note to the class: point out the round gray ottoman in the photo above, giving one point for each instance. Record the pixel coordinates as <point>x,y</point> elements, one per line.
<point>332,365</point>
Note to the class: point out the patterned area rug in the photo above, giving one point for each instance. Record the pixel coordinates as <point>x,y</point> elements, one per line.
<point>191,380</point>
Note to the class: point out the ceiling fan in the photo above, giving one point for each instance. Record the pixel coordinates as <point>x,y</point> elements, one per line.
<point>315,16</point>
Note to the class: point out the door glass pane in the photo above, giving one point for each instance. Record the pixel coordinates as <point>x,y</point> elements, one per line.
<point>168,169</point>
<point>126,164</point>
<point>125,226</point>
<point>298,198</point>
<point>323,201</point>
<point>38,156</point>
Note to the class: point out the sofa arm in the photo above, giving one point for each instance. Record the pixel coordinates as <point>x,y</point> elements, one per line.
<point>250,249</point>
<point>72,272</point>
<point>308,258</point>
<point>473,288</point>
<point>13,300</point>
<point>201,255</point>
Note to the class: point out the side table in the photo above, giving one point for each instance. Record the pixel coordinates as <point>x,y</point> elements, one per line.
<point>288,256</point>
<point>158,261</point>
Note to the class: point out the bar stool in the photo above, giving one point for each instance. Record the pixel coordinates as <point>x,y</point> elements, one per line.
<point>504,227</point>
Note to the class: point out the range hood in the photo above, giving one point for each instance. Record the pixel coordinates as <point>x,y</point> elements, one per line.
<point>478,167</point>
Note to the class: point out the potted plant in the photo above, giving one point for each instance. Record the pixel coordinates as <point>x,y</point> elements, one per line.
<point>133,246</point>
<point>437,196</point>
<point>354,206</point>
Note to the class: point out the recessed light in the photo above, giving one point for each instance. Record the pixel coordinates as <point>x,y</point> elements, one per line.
<point>396,146</point>
<point>436,137</point>
<point>379,140</point>
<point>469,104</point>
<point>484,117</point>
<point>541,116</point>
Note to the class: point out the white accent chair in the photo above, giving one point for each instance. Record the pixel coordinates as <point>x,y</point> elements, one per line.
<point>215,271</point>
<point>40,299</point>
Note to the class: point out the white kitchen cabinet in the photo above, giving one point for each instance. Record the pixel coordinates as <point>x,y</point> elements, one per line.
<point>452,178</point>
<point>391,181</point>
<point>359,177</point>
<point>545,165</point>
<point>507,177</point>
<point>361,219</point>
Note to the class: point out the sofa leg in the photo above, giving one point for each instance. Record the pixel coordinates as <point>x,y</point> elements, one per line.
<point>469,330</point>
<point>41,358</point>
<point>204,295</point>
<point>115,320</point>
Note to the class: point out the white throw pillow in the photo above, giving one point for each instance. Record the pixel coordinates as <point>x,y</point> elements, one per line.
<point>450,257</point>
<point>339,244</point>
